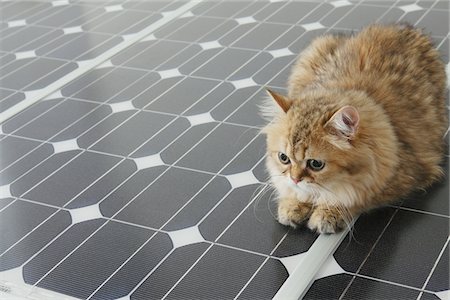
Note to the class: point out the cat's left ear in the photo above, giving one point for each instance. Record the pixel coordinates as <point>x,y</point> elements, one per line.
<point>282,101</point>
<point>344,122</point>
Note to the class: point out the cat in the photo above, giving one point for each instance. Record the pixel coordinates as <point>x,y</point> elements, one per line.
<point>362,125</point>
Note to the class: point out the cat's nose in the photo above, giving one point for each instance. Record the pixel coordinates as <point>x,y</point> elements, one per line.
<point>296,180</point>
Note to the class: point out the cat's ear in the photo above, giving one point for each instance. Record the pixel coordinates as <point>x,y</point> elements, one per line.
<point>344,122</point>
<point>282,101</point>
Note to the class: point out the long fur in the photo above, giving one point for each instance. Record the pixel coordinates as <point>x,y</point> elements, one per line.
<point>268,109</point>
<point>396,81</point>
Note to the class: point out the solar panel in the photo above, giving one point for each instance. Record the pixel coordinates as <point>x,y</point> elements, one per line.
<point>132,163</point>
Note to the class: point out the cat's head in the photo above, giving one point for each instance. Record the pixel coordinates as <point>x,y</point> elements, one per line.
<point>317,147</point>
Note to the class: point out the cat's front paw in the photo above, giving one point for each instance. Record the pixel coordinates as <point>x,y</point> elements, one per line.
<point>326,220</point>
<point>291,212</point>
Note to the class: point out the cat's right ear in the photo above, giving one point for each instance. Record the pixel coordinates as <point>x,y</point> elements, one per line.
<point>282,101</point>
<point>344,122</point>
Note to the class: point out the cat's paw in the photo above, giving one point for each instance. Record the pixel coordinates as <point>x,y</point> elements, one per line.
<point>292,213</point>
<point>326,220</point>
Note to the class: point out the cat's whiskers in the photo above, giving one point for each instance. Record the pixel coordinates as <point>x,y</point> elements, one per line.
<point>271,198</point>
<point>319,190</point>
<point>275,217</point>
<point>261,192</point>
<point>315,191</point>
<point>244,133</point>
<point>347,218</point>
<point>257,195</point>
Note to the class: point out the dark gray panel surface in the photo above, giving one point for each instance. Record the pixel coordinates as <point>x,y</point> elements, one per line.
<point>89,120</point>
<point>267,281</point>
<point>330,287</point>
<point>156,205</point>
<point>33,72</point>
<point>133,133</point>
<point>253,227</point>
<point>219,267</point>
<point>218,148</point>
<point>20,217</point>
<point>105,185</point>
<point>81,273</point>
<point>167,274</point>
<point>130,275</point>
<point>56,120</point>
<point>228,209</point>
<point>176,100</point>
<point>106,87</point>
<point>102,128</point>
<point>362,288</point>
<point>229,59</point>
<point>153,56</point>
<point>355,248</point>
<point>433,232</point>
<point>185,142</point>
<point>200,205</point>
<point>35,241</point>
<point>164,138</point>
<point>14,148</point>
<point>439,279</point>
<point>72,179</point>
<point>128,189</point>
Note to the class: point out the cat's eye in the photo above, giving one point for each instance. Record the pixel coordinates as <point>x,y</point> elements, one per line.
<point>315,165</point>
<point>284,159</point>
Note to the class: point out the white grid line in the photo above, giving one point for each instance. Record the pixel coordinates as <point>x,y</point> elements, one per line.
<point>387,282</point>
<point>441,253</point>
<point>4,207</point>
<point>419,211</point>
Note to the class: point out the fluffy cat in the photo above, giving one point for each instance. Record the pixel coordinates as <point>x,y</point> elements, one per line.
<point>362,125</point>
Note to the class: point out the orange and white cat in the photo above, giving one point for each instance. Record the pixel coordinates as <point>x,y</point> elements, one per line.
<point>362,125</point>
